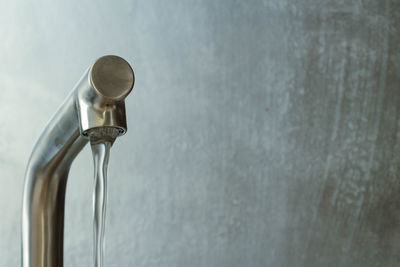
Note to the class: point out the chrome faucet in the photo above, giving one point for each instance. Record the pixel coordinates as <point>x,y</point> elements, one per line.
<point>94,109</point>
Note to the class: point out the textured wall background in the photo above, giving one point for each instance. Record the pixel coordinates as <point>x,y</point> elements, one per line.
<point>261,133</point>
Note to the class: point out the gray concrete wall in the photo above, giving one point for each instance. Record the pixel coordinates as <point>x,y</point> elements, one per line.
<point>261,133</point>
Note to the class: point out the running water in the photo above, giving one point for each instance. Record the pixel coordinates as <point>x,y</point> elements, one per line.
<point>101,153</point>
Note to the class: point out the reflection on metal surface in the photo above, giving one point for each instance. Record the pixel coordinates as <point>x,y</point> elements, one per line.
<point>90,105</point>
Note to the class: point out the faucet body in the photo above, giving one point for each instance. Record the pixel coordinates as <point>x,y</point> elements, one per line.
<point>96,102</point>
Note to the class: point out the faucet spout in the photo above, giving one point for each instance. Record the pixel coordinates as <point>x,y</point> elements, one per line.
<point>94,109</point>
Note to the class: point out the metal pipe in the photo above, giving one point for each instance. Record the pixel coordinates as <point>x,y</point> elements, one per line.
<point>96,102</point>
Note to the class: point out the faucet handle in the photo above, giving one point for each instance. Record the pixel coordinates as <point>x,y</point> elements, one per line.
<point>112,77</point>
<point>100,95</point>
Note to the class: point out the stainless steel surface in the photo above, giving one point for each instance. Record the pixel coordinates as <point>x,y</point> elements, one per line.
<point>85,111</point>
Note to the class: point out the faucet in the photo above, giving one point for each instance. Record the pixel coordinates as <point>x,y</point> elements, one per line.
<point>94,109</point>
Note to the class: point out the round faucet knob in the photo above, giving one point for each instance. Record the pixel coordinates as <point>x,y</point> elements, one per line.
<point>112,77</point>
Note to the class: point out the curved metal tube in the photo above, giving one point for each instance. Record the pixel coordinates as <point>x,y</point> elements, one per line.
<point>97,101</point>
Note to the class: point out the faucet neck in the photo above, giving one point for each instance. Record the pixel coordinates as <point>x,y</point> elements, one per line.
<point>45,184</point>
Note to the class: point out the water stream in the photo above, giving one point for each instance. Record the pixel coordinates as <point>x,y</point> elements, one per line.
<point>101,153</point>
